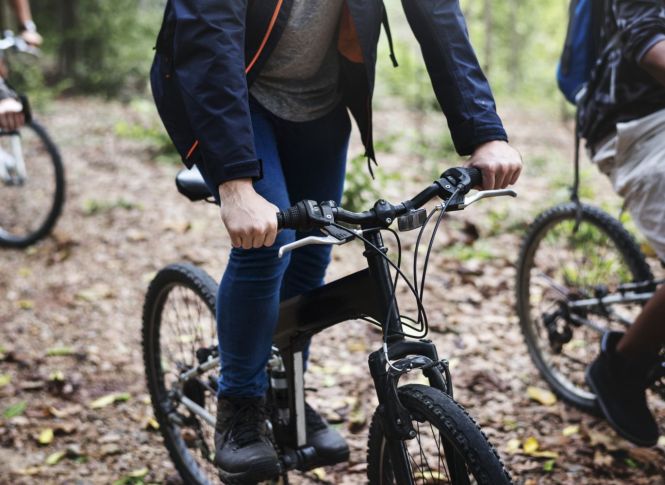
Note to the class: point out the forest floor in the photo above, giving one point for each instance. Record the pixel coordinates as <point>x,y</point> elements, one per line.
<point>70,315</point>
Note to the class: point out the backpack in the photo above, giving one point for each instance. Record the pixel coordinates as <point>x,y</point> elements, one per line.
<point>580,50</point>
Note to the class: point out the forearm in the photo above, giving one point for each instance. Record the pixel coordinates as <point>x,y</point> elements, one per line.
<point>22,9</point>
<point>208,59</point>
<point>654,62</point>
<point>459,83</point>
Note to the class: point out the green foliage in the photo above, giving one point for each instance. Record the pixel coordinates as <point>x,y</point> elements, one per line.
<point>95,46</point>
<point>148,129</point>
<point>360,190</point>
<point>15,410</point>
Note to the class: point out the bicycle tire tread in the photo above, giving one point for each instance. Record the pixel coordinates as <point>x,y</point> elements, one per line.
<point>205,287</point>
<point>469,438</point>
<point>625,243</point>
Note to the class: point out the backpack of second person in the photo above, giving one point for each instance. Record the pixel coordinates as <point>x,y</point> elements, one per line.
<point>580,50</point>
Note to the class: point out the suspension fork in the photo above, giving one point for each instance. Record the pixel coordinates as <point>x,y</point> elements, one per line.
<point>396,419</point>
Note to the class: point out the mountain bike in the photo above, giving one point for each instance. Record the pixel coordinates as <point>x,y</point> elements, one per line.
<point>418,434</point>
<point>32,180</point>
<point>580,273</point>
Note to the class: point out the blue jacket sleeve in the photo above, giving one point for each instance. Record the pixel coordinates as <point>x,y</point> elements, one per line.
<point>209,67</point>
<point>459,83</point>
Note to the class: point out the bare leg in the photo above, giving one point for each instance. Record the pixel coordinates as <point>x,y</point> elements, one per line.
<point>646,337</point>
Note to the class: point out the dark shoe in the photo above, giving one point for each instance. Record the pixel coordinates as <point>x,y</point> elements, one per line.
<point>330,447</point>
<point>243,450</point>
<point>620,389</point>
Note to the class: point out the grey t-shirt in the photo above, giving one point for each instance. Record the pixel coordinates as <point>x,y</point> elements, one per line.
<point>299,81</point>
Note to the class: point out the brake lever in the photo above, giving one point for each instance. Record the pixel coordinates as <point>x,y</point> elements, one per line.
<point>309,240</point>
<point>484,194</point>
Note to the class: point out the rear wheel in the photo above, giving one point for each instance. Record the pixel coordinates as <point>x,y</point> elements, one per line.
<point>32,186</point>
<point>179,332</point>
<point>564,259</point>
<point>449,447</point>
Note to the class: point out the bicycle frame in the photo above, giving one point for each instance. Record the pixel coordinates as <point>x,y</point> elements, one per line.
<point>366,293</point>
<point>12,165</point>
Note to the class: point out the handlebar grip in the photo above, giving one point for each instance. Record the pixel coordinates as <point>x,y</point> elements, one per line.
<point>475,175</point>
<point>465,178</point>
<point>294,217</point>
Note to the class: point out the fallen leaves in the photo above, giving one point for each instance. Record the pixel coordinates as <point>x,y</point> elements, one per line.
<point>25,304</point>
<point>543,396</point>
<point>132,477</point>
<point>59,352</point>
<point>45,437</point>
<point>110,399</point>
<point>5,379</point>
<point>54,458</point>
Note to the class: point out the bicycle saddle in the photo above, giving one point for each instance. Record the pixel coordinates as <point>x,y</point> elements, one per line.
<point>190,184</point>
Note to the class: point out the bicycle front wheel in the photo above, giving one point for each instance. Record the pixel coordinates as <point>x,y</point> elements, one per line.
<point>32,186</point>
<point>570,256</point>
<point>449,447</point>
<point>179,333</point>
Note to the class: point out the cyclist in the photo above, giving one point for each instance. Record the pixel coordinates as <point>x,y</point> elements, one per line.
<point>11,109</point>
<point>282,139</point>
<point>623,121</point>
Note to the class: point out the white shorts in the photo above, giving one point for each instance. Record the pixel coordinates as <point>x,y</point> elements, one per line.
<point>634,160</point>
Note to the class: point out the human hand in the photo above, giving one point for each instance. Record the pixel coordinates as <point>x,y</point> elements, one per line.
<point>250,219</point>
<point>499,163</point>
<point>32,38</point>
<point>11,114</point>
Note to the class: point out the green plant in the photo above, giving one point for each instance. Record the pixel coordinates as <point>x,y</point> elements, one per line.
<point>360,189</point>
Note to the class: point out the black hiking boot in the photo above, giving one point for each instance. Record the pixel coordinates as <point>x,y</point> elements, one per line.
<point>244,453</point>
<point>330,447</point>
<point>620,389</point>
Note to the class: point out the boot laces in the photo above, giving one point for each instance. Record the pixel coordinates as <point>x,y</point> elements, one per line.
<point>246,424</point>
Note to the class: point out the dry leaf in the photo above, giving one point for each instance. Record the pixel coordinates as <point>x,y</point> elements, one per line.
<point>140,473</point>
<point>319,473</point>
<point>530,445</point>
<point>152,424</point>
<point>57,376</point>
<point>513,446</point>
<point>26,304</point>
<point>59,351</point>
<point>543,396</point>
<point>30,471</point>
<point>570,430</point>
<point>531,448</point>
<point>433,477</point>
<point>109,399</point>
<point>602,460</point>
<point>46,437</point>
<point>5,379</point>
<point>54,458</point>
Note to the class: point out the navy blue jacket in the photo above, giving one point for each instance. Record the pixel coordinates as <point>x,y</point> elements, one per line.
<point>209,51</point>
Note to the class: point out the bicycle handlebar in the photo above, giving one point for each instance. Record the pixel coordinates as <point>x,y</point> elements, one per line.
<point>308,214</point>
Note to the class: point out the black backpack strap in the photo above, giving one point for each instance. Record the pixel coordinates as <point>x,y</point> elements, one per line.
<point>386,27</point>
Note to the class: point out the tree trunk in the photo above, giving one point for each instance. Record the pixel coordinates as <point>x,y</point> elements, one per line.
<point>68,52</point>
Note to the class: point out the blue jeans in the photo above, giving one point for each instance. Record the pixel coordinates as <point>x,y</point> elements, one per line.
<point>300,161</point>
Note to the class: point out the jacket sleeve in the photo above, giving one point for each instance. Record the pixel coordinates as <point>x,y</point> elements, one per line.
<point>642,23</point>
<point>209,43</point>
<point>459,83</point>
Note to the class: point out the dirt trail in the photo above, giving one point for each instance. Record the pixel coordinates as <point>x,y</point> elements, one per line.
<point>71,306</point>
